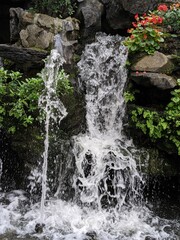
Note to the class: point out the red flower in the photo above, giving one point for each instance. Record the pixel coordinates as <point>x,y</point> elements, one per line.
<point>130,30</point>
<point>154,21</point>
<point>136,17</point>
<point>134,24</point>
<point>144,22</point>
<point>132,37</point>
<point>163,8</point>
<point>160,19</point>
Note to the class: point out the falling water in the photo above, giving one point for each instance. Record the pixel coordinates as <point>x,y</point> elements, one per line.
<point>52,107</point>
<point>108,202</point>
<point>106,169</point>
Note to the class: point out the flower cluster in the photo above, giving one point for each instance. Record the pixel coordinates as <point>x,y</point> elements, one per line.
<point>171,16</point>
<point>147,20</point>
<point>162,7</point>
<point>146,35</point>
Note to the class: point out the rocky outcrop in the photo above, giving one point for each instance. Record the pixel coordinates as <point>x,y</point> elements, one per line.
<point>25,58</point>
<point>150,79</point>
<point>158,62</point>
<point>154,70</point>
<point>119,13</point>
<point>90,14</point>
<point>38,31</point>
<point>33,36</point>
<point>110,15</point>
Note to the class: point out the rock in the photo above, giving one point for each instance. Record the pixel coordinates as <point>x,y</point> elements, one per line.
<point>15,26</point>
<point>138,6</point>
<point>159,80</point>
<point>34,36</point>
<point>39,227</point>
<point>23,57</point>
<point>157,63</point>
<point>116,16</point>
<point>119,13</point>
<point>38,31</point>
<point>90,12</point>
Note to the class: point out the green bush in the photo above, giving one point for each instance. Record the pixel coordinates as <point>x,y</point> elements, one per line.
<point>55,8</point>
<point>19,98</point>
<point>161,125</point>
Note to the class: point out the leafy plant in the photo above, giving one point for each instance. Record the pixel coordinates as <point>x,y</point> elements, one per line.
<point>145,36</point>
<point>171,16</point>
<point>63,86</point>
<point>129,96</point>
<point>161,125</point>
<point>60,8</point>
<point>149,30</point>
<point>19,98</point>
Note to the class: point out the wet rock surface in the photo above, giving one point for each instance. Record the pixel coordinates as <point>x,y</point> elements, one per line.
<point>158,80</point>
<point>24,57</point>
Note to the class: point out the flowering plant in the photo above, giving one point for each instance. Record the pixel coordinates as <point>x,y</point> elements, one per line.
<point>171,16</point>
<point>147,34</point>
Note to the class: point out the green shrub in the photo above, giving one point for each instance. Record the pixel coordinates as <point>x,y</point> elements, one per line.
<point>161,125</point>
<point>55,8</point>
<point>19,98</point>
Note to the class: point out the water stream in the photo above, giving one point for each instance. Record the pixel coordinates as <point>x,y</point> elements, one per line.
<point>52,107</point>
<point>108,202</point>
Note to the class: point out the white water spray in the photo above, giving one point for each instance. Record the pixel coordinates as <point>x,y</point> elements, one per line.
<point>106,169</point>
<point>52,106</point>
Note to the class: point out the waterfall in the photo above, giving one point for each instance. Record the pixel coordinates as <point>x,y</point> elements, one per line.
<point>106,170</point>
<point>52,107</point>
<point>108,202</point>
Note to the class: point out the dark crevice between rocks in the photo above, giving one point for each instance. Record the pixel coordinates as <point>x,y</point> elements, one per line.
<point>5,5</point>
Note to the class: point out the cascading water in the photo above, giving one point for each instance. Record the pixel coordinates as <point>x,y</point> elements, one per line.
<point>108,199</point>
<point>106,169</point>
<point>52,107</point>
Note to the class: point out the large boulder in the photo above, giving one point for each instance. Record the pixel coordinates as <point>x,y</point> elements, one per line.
<point>149,79</point>
<point>90,14</point>
<point>158,62</point>
<point>38,31</point>
<point>25,58</point>
<point>119,13</point>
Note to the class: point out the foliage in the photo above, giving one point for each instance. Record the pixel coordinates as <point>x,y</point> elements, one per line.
<point>63,86</point>
<point>19,98</point>
<point>60,8</point>
<point>147,32</point>
<point>161,125</point>
<point>129,96</point>
<point>171,16</point>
